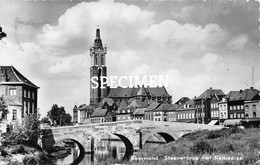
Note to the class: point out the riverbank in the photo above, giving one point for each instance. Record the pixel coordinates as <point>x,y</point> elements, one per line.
<point>23,155</point>
<point>226,146</point>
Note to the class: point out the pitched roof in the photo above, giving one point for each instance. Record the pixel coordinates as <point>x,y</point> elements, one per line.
<point>188,105</point>
<point>233,95</point>
<point>163,107</point>
<point>157,91</point>
<point>209,93</point>
<point>85,107</point>
<point>120,92</point>
<point>131,92</point>
<point>109,101</point>
<point>142,92</point>
<point>139,111</point>
<point>173,107</point>
<point>182,100</point>
<point>136,103</point>
<point>14,77</point>
<point>152,107</point>
<point>247,95</point>
<point>98,112</point>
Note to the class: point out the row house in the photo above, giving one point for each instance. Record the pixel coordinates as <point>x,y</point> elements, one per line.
<point>149,111</point>
<point>160,113</point>
<point>238,103</point>
<point>101,116</point>
<point>186,112</point>
<point>171,113</point>
<point>20,93</point>
<point>207,105</point>
<point>252,113</point>
<point>125,113</point>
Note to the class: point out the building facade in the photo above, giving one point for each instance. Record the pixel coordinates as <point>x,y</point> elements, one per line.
<point>206,105</point>
<point>21,94</point>
<point>186,112</point>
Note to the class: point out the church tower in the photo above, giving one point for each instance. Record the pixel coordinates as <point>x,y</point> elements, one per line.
<point>98,68</point>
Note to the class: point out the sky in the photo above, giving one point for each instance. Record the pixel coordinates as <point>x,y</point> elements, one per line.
<point>198,44</point>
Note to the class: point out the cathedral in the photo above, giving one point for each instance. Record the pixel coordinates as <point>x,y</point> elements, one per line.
<point>98,69</point>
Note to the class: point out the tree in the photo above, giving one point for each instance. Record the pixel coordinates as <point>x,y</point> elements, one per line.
<point>28,132</point>
<point>58,116</point>
<point>3,107</point>
<point>45,120</point>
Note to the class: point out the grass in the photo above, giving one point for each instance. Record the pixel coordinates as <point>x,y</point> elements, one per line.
<point>221,147</point>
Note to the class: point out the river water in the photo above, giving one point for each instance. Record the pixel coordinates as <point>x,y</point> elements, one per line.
<point>104,150</point>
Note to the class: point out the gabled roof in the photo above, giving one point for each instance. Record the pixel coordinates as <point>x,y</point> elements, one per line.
<point>233,95</point>
<point>182,100</point>
<point>249,94</point>
<point>109,101</point>
<point>157,91</point>
<point>136,103</point>
<point>14,77</point>
<point>120,92</point>
<point>188,105</point>
<point>139,111</point>
<point>152,107</point>
<point>209,93</point>
<point>163,107</point>
<point>86,107</point>
<point>125,109</point>
<point>131,92</point>
<point>246,95</point>
<point>98,112</point>
<point>173,107</point>
<point>142,92</point>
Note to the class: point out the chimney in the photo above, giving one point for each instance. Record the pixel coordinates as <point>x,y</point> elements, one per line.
<point>240,91</point>
<point>210,88</point>
<point>251,87</point>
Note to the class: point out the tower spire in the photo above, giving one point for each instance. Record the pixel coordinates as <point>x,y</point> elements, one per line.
<point>98,41</point>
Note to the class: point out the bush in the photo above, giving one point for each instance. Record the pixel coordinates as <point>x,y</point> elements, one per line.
<point>201,147</point>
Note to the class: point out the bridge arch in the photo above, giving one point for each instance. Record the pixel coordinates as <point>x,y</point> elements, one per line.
<point>81,151</point>
<point>128,145</point>
<point>167,137</point>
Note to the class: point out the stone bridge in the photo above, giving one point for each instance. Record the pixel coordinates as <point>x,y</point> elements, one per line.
<point>133,133</point>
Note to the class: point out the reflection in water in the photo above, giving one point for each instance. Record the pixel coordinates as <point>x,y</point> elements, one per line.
<point>104,150</point>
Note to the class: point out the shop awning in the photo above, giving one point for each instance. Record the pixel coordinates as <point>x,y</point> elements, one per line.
<point>232,122</point>
<point>213,122</point>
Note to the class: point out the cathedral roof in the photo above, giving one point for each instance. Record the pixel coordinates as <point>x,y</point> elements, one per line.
<point>131,92</point>
<point>12,76</point>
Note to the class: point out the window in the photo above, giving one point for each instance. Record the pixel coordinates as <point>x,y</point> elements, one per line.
<point>24,93</point>
<point>14,114</point>
<point>242,115</point>
<point>231,116</point>
<point>241,107</point>
<point>211,105</point>
<point>234,107</point>
<point>235,115</point>
<point>254,107</point>
<point>29,94</point>
<point>231,108</point>
<point>238,115</point>
<point>29,108</point>
<point>32,95</point>
<point>254,114</point>
<point>216,105</point>
<point>95,60</point>
<point>12,91</point>
<point>33,108</point>
<point>238,107</point>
